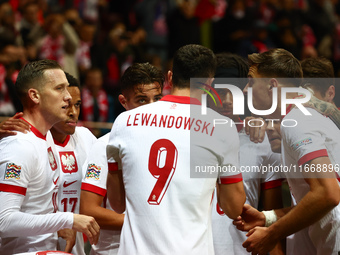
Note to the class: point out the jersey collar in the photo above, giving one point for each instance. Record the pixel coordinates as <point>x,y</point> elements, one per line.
<point>239,125</point>
<point>64,143</point>
<point>181,99</point>
<point>35,131</point>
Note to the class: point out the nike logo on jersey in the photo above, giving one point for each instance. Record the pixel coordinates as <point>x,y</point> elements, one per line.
<point>68,184</point>
<point>55,182</point>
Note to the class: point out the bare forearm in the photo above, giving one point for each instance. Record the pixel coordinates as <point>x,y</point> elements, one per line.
<point>308,211</point>
<point>106,218</point>
<point>116,191</point>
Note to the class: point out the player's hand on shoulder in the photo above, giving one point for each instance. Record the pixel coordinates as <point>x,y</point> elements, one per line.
<point>255,127</point>
<point>69,236</point>
<point>88,226</point>
<point>249,218</point>
<point>12,124</point>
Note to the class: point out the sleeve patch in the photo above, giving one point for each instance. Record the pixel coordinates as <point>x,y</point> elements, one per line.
<point>298,144</point>
<point>12,171</point>
<point>92,172</point>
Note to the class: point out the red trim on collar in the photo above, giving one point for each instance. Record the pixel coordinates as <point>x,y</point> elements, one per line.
<point>64,143</point>
<point>35,131</point>
<point>290,106</point>
<point>239,126</point>
<point>181,99</point>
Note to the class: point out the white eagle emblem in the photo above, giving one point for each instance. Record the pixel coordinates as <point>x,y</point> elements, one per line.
<point>51,159</point>
<point>68,161</point>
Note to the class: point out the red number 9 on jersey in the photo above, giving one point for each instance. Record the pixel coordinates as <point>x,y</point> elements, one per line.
<point>162,165</point>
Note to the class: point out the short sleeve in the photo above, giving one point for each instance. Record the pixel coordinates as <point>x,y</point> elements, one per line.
<point>95,169</point>
<point>305,141</point>
<point>16,168</point>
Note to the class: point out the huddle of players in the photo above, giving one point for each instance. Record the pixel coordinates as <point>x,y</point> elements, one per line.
<point>138,212</point>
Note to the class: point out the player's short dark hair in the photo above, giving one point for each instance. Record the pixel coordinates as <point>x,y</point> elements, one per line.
<point>318,68</point>
<point>231,66</point>
<point>277,63</point>
<point>192,61</point>
<point>140,74</point>
<point>73,81</point>
<point>30,76</point>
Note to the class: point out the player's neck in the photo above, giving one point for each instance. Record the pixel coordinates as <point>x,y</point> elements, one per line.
<point>187,92</point>
<point>57,136</point>
<point>36,119</point>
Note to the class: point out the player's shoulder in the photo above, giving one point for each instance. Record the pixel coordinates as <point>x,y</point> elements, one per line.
<point>21,143</point>
<point>100,144</point>
<point>103,139</point>
<point>297,122</point>
<point>83,131</point>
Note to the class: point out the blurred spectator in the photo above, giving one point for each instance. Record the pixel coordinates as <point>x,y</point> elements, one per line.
<point>113,57</point>
<point>60,43</point>
<point>229,37</point>
<point>95,101</point>
<point>151,15</point>
<point>259,42</point>
<point>30,28</point>
<point>319,18</point>
<point>287,27</point>
<point>12,58</point>
<point>183,26</point>
<point>9,33</point>
<point>83,53</point>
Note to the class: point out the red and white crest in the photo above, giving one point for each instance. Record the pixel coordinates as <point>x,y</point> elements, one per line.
<point>51,159</point>
<point>68,162</point>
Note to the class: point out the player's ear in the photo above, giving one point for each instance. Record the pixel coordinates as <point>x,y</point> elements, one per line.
<point>273,83</point>
<point>34,95</point>
<point>123,101</point>
<point>170,78</point>
<point>330,93</point>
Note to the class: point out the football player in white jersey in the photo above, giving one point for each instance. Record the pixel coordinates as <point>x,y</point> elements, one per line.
<point>160,179</point>
<point>72,145</point>
<point>313,144</point>
<point>267,185</point>
<point>141,84</point>
<point>29,175</point>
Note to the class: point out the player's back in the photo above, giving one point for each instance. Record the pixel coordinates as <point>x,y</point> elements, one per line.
<point>167,210</point>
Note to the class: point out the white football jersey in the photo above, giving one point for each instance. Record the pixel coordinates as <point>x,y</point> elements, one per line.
<point>96,169</point>
<point>227,239</point>
<point>168,156</point>
<point>28,167</point>
<point>72,156</point>
<point>314,136</point>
